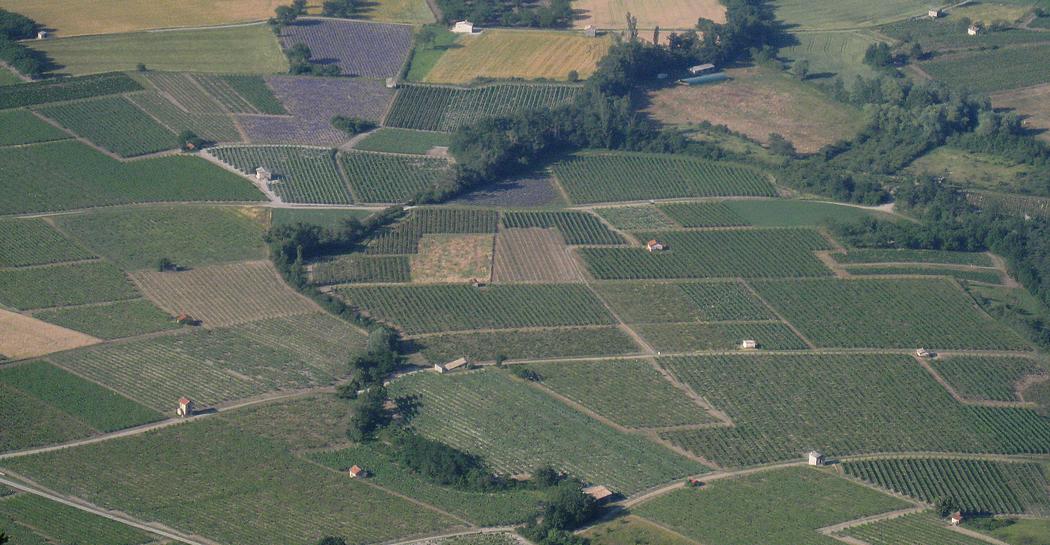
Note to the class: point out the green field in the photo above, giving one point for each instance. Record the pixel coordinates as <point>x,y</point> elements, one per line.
<point>62,285</point>
<point>65,175</point>
<point>652,302</point>
<point>631,393</point>
<point>356,268</point>
<point>785,405</point>
<point>998,69</point>
<point>695,337</point>
<point>329,219</point>
<point>381,178</point>
<point>127,131</point>
<point>61,89</point>
<point>517,428</point>
<point>7,77</point>
<point>988,276</point>
<point>607,177</point>
<point>111,321</point>
<point>250,94</point>
<point>403,141</point>
<point>636,218</point>
<point>902,313</point>
<point>846,14</point>
<point>575,227</point>
<point>30,422</point>
<point>244,475</point>
<point>783,507</point>
<point>1022,531</point>
<point>33,242</point>
<point>549,343</point>
<point>22,127</point>
<point>632,530</point>
<point>713,214</point>
<point>785,213</point>
<point>431,309</point>
<point>213,366</point>
<point>946,33</point>
<point>301,175</point>
<point>445,109</point>
<point>245,50</point>
<point>713,254</point>
<point>213,127</point>
<point>190,236</point>
<point>835,53</point>
<point>58,523</point>
<point>977,486</point>
<point>985,377</point>
<point>918,529</point>
<point>869,255</point>
<point>982,171</point>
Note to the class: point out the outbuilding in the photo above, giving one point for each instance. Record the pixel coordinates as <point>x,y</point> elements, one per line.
<point>748,344</point>
<point>816,458</point>
<point>934,13</point>
<point>463,27</point>
<point>450,366</point>
<point>42,35</point>
<point>973,30</point>
<point>185,319</point>
<point>600,493</point>
<point>923,353</point>
<point>590,31</point>
<point>263,175</point>
<point>655,246</point>
<point>701,68</point>
<point>357,472</point>
<point>185,408</point>
<point>956,518</point>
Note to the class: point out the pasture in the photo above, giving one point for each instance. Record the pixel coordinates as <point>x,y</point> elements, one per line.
<point>691,337</point>
<point>299,174</point>
<point>516,428</point>
<point>666,14</point>
<point>975,170</point>
<point>26,242</point>
<point>245,475</point>
<point>996,379</point>
<point>756,253</point>
<point>370,50</point>
<point>403,141</point>
<point>513,344</point>
<point>607,177</point>
<point>652,302</point>
<point>785,405</point>
<point>848,14</point>
<point>445,109</point>
<point>977,486</point>
<point>53,522</point>
<point>836,53</point>
<point>916,529</point>
<point>437,308</point>
<point>212,366</point>
<point>757,102</point>
<point>901,313</point>
<point>111,321</point>
<point>355,268</point>
<point>624,391</point>
<point>25,337</point>
<point>63,285</point>
<point>782,507</point>
<point>190,236</point>
<point>128,131</point>
<point>68,174</point>
<point>223,295</point>
<point>383,178</point>
<point>55,90</point>
<point>575,227</point>
<point>246,50</point>
<point>533,255</point>
<point>1001,69</point>
<point>526,54</point>
<point>22,127</point>
<point>453,258</point>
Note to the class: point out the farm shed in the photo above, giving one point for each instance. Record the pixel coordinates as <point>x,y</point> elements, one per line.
<point>934,13</point>
<point>590,31</point>
<point>701,68</point>
<point>816,458</point>
<point>600,493</point>
<point>655,246</point>
<point>185,319</point>
<point>454,364</point>
<point>356,472</point>
<point>263,175</point>
<point>42,35</point>
<point>749,344</point>
<point>956,518</point>
<point>973,30</point>
<point>923,353</point>
<point>706,78</point>
<point>185,407</point>
<point>463,27</point>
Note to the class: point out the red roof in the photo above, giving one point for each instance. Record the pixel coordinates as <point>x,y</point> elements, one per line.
<point>653,243</point>
<point>356,470</point>
<point>184,400</point>
<point>957,515</point>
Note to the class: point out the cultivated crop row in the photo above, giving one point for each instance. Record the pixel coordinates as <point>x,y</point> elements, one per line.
<point>362,268</point>
<point>116,320</point>
<point>976,485</point>
<point>636,218</point>
<point>22,127</point>
<point>446,109</point>
<point>184,90</point>
<point>985,377</point>
<point>610,177</point>
<point>547,343</point>
<point>998,69</point>
<point>215,127</point>
<point>703,215</point>
<point>234,91</point>
<point>651,302</point>
<point>917,529</point>
<point>113,123</point>
<point>875,255</point>
<point>382,178</point>
<point>60,285</point>
<point>691,337</point>
<point>986,276</point>
<point>33,242</point>
<point>575,227</point>
<point>30,423</point>
<point>299,175</point>
<point>371,50</point>
<point>55,90</point>
<point>67,524</point>
<point>403,238</point>
<point>426,309</point>
<point>533,255</point>
<point>714,254</point>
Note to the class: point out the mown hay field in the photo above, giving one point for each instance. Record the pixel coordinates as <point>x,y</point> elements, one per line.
<point>666,14</point>
<point>839,53</point>
<point>503,54</point>
<point>25,337</point>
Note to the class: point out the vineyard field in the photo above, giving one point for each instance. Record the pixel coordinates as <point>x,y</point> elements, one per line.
<point>185,92</point>
<point>870,255</point>
<point>214,127</point>
<point>977,486</point>
<point>127,130</point>
<point>33,242</point>
<point>996,379</point>
<point>703,215</point>
<point>782,507</point>
<point>300,175</point>
<point>515,427</point>
<point>785,405</point>
<point>403,141</point>
<point>1000,69</point>
<point>403,238</point>
<point>714,254</point>
<point>29,422</point>
<point>533,255</point>
<point>329,218</point>
<point>112,321</point>
<point>629,392</point>
<point>190,236</point>
<point>917,529</point>
<point>62,285</point>
<point>901,313</point>
<point>637,218</point>
<point>66,524</point>
<point>382,178</point>
<point>651,302</point>
<point>431,309</point>
<point>213,366</point>
<point>370,50</point>
<point>250,89</point>
<point>362,268</point>
<point>245,475</point>
<point>945,34</point>
<point>445,109</point>
<point>719,336</point>
<point>22,127</point>
<point>607,177</point>
<point>55,90</point>
<point>548,343</point>
<point>223,295</point>
<point>575,227</point>
<point>986,276</point>
<point>792,213</point>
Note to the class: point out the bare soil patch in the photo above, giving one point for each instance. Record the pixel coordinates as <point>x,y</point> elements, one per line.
<point>534,255</point>
<point>25,337</point>
<point>453,258</point>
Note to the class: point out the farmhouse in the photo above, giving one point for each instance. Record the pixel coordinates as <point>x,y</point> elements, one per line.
<point>973,30</point>
<point>956,518</point>
<point>934,13</point>
<point>600,493</point>
<point>590,31</point>
<point>185,407</point>
<point>463,27</point>
<point>816,458</point>
<point>356,472</point>
<point>263,175</point>
<point>701,68</point>
<point>452,365</point>
<point>655,246</point>
<point>748,344</point>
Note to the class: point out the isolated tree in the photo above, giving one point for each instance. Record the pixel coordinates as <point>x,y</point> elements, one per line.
<point>916,53</point>
<point>780,145</point>
<point>801,69</point>
<point>164,264</point>
<point>945,506</point>
<point>329,540</point>
<point>284,15</point>
<point>632,28</point>
<point>574,76</point>
<point>299,7</point>
<point>878,55</point>
<point>656,34</point>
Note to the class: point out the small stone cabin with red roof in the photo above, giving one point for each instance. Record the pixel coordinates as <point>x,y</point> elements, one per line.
<point>655,246</point>
<point>956,518</point>
<point>356,472</point>
<point>185,407</point>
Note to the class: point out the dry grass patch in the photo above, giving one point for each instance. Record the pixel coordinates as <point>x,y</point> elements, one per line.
<point>503,54</point>
<point>453,258</point>
<point>669,14</point>
<point>25,337</point>
<point>533,255</point>
<point>223,295</point>
<point>1033,103</point>
<point>758,102</point>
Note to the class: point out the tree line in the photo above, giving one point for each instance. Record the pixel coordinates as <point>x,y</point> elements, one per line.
<point>29,62</point>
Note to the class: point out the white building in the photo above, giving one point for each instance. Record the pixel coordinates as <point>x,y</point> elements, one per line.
<point>748,344</point>
<point>816,458</point>
<point>934,13</point>
<point>42,35</point>
<point>973,30</point>
<point>701,68</point>
<point>454,364</point>
<point>463,27</point>
<point>590,31</point>
<point>263,175</point>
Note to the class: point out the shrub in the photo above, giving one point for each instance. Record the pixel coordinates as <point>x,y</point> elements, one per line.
<point>352,125</point>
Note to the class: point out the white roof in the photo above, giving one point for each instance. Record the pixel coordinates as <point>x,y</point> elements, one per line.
<point>456,363</point>
<point>706,66</point>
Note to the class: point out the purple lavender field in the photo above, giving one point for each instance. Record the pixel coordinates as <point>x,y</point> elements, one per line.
<point>371,50</point>
<point>311,103</point>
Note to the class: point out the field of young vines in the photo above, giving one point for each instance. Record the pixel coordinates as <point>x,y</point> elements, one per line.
<point>575,227</point>
<point>561,342</point>
<point>22,127</point>
<point>184,91</point>
<point>61,285</point>
<point>637,218</point>
<point>917,529</point>
<point>977,486</point>
<point>987,276</point>
<point>991,378</point>
<point>999,69</point>
<point>300,175</point>
<point>658,302</point>
<point>874,255</point>
<point>113,320</point>
<point>115,124</point>
<point>55,90</point>
<point>703,215</point>
<point>33,242</point>
<point>362,268</point>
<point>213,127</point>
<point>608,177</point>
<point>445,109</point>
<point>382,178</point>
<point>64,524</point>
<point>403,237</point>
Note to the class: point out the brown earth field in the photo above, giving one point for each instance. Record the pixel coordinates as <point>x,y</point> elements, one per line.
<point>1032,103</point>
<point>758,102</point>
<point>534,255</point>
<point>453,258</point>
<point>25,337</point>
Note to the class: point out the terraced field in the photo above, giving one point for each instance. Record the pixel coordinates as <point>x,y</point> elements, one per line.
<point>433,108</point>
<point>300,174</point>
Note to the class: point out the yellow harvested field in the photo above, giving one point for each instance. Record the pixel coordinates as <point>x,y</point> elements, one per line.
<point>78,17</point>
<point>223,295</point>
<point>25,337</point>
<point>453,258</point>
<point>667,14</point>
<point>503,54</point>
